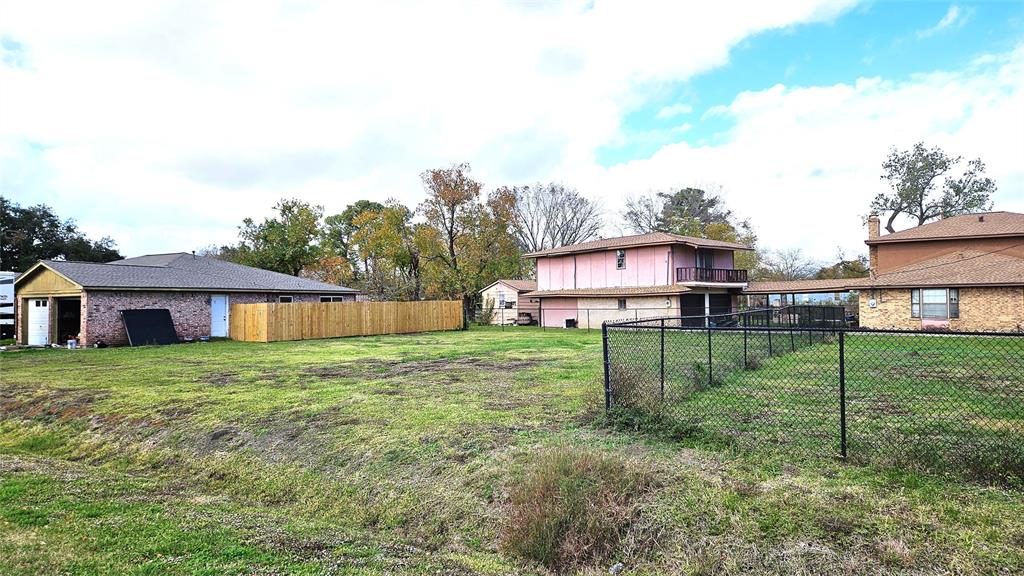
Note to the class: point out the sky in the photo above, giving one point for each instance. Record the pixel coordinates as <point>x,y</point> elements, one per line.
<point>163,125</point>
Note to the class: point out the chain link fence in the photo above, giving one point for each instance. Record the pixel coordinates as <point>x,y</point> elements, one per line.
<point>802,380</point>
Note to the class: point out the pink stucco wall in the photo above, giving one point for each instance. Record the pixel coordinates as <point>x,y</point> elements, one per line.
<point>648,266</point>
<point>686,257</point>
<point>554,311</point>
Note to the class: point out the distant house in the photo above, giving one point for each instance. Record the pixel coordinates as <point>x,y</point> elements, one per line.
<point>506,299</point>
<point>960,273</point>
<point>646,275</point>
<point>58,300</point>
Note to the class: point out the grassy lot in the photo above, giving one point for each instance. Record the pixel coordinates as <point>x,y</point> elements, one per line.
<point>403,454</point>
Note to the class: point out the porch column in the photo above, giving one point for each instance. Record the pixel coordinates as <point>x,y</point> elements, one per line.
<point>707,308</point>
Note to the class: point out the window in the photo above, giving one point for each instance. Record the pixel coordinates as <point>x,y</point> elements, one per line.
<point>622,303</point>
<point>284,299</point>
<point>41,303</point>
<point>501,299</point>
<point>705,258</point>
<point>620,259</point>
<point>332,298</point>
<point>935,303</point>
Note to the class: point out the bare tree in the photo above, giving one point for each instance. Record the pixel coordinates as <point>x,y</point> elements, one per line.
<point>552,215</point>
<point>789,264</point>
<point>643,214</point>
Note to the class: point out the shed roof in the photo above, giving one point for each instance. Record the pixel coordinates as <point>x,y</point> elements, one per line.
<point>517,285</point>
<point>182,271</point>
<point>638,240</point>
<point>979,225</point>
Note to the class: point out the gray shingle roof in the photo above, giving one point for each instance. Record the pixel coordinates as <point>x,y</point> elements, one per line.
<point>181,271</point>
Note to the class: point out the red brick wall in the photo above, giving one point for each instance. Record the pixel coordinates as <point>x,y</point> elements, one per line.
<point>190,311</point>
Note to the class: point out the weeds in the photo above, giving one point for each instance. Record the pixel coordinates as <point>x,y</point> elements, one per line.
<point>572,508</point>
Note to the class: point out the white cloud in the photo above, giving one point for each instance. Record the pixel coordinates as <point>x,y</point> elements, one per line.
<point>804,163</point>
<point>674,110</point>
<point>163,125</point>
<point>194,115</point>
<point>954,17</point>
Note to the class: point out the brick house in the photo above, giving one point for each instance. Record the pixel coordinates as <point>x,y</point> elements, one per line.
<point>646,275</point>
<point>960,273</point>
<point>59,300</point>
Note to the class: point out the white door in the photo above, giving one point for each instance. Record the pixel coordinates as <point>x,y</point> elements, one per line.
<point>38,322</point>
<point>219,316</point>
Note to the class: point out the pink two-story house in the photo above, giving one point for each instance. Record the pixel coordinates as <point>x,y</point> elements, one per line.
<point>647,275</point>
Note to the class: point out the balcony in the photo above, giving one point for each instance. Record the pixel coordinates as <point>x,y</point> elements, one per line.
<point>711,275</point>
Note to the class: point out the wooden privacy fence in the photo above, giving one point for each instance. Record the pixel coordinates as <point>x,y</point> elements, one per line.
<point>272,322</point>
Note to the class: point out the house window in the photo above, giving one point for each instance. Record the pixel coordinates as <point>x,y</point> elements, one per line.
<point>705,258</point>
<point>501,299</point>
<point>284,299</point>
<point>620,259</point>
<point>935,303</point>
<point>332,298</point>
<point>622,303</point>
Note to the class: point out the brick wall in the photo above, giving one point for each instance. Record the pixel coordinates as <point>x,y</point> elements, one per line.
<point>982,309</point>
<point>190,311</point>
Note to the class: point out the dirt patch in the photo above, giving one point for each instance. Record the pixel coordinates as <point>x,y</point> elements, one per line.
<point>49,405</point>
<point>383,370</point>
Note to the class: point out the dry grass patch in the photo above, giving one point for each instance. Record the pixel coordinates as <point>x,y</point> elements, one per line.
<point>576,507</point>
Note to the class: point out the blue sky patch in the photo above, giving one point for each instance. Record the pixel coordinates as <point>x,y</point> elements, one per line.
<point>888,40</point>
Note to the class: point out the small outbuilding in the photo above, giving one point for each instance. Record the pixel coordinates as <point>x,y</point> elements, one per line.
<point>508,301</point>
<point>59,300</point>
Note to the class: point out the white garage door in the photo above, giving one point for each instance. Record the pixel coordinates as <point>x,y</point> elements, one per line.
<point>38,322</point>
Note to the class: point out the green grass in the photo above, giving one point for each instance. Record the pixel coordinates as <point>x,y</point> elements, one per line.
<point>398,454</point>
<point>934,402</point>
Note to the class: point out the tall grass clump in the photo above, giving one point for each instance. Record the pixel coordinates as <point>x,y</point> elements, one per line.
<point>574,508</point>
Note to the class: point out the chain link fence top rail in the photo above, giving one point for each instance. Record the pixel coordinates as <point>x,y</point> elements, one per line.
<point>798,379</point>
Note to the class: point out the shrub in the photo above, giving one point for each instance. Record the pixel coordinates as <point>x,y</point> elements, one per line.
<point>573,508</point>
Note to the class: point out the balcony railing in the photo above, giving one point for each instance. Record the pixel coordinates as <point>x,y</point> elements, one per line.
<point>710,275</point>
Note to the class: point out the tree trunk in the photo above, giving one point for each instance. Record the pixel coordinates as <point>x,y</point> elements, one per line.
<point>888,224</point>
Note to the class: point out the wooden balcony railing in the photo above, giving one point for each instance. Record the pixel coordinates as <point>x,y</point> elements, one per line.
<point>710,275</point>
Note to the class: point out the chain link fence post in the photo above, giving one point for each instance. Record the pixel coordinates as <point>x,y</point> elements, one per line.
<point>662,359</point>
<point>710,372</point>
<point>746,363</point>
<point>842,394</point>
<point>607,371</point>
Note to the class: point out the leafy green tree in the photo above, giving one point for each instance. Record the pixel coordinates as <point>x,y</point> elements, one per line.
<point>920,192</point>
<point>33,233</point>
<point>391,245</point>
<point>338,233</point>
<point>693,212</point>
<point>844,268</point>
<point>287,243</point>
<point>471,243</point>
